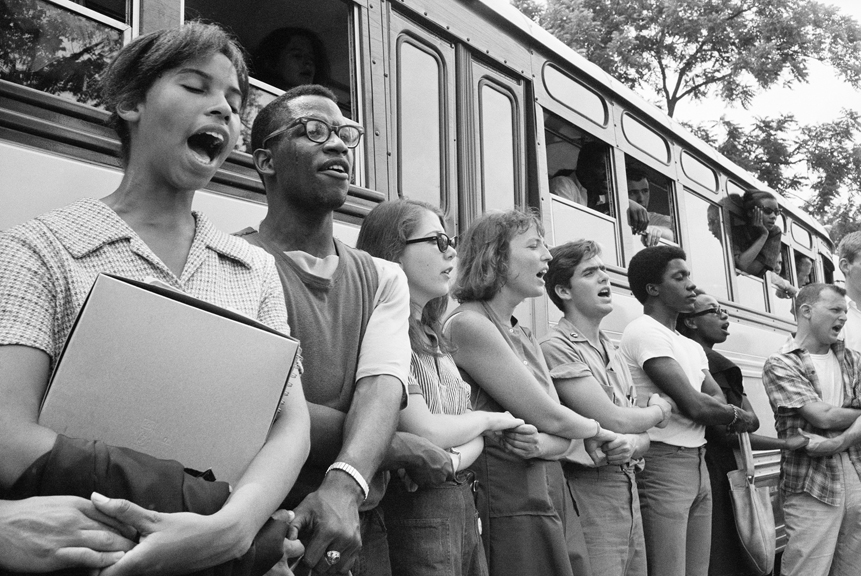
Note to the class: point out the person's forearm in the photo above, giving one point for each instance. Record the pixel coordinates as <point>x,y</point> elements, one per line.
<point>643,443</point>
<point>327,433</point>
<point>553,447</point>
<point>833,418</point>
<point>470,452</point>
<point>450,430</point>
<point>746,258</point>
<point>631,420</point>
<point>370,423</point>
<point>709,411</point>
<point>849,437</point>
<point>271,474</point>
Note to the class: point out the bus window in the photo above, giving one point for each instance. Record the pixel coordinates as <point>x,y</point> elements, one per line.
<point>420,165</point>
<point>291,42</point>
<point>577,165</point>
<point>705,252</point>
<point>61,49</point>
<point>650,192</point>
<point>827,269</point>
<point>804,269</point>
<point>782,288</point>
<point>498,147</point>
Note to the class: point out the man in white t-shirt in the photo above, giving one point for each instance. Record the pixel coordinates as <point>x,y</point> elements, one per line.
<point>674,488</point>
<point>814,384</point>
<point>849,254</point>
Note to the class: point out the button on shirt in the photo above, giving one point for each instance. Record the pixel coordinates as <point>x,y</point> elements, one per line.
<point>50,263</point>
<point>791,382</point>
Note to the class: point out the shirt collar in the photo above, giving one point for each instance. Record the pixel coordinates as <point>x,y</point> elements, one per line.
<point>791,346</point>
<point>89,224</point>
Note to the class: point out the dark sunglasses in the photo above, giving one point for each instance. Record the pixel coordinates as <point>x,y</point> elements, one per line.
<point>319,132</point>
<point>443,241</point>
<point>716,311</point>
<point>770,211</point>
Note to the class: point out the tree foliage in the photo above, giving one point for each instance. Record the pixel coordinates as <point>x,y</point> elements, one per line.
<point>682,49</point>
<point>823,158</point>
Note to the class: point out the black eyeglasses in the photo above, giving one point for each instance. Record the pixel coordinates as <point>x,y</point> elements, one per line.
<point>443,241</point>
<point>319,132</point>
<point>770,211</point>
<point>716,311</point>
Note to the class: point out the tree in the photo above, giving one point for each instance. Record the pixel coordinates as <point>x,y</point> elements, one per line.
<point>693,48</point>
<point>776,150</point>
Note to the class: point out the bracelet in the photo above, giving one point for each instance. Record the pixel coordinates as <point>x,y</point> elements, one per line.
<point>344,467</point>
<point>734,416</point>
<point>454,452</point>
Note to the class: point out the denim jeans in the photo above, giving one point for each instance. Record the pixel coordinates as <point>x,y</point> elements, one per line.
<point>676,505</point>
<point>610,514</point>
<point>823,539</point>
<point>374,556</point>
<point>434,531</point>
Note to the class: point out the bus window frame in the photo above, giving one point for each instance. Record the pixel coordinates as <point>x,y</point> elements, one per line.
<point>685,236</point>
<point>608,109</point>
<point>126,27</point>
<point>688,181</point>
<point>408,35</point>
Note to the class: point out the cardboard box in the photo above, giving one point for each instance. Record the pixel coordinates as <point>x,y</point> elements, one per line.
<point>169,375</point>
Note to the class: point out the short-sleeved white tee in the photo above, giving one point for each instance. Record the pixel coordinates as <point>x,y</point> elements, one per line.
<point>644,339</point>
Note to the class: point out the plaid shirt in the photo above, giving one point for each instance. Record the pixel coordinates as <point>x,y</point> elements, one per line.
<point>791,383</point>
<point>49,264</point>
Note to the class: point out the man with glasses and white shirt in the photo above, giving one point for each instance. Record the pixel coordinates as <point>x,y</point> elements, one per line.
<point>814,385</point>
<point>350,311</point>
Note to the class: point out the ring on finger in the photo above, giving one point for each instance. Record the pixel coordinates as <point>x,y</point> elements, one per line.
<point>332,557</point>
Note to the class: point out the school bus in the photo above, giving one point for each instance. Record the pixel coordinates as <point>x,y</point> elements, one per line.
<point>467,104</point>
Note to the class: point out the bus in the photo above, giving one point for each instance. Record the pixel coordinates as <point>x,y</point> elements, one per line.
<point>467,104</point>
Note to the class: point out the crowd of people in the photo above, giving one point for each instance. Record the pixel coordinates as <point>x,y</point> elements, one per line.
<point>412,441</point>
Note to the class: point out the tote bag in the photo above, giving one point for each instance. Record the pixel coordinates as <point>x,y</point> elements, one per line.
<point>754,518</point>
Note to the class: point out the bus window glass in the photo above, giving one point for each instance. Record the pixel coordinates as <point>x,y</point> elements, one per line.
<point>699,172</point>
<point>733,188</point>
<point>59,50</point>
<point>572,223</point>
<point>650,200</point>
<point>801,235</point>
<point>782,290</point>
<point>577,165</point>
<point>705,252</point>
<point>646,139</point>
<point>574,95</point>
<point>498,151</point>
<point>291,42</point>
<point>804,269</point>
<point>419,124</point>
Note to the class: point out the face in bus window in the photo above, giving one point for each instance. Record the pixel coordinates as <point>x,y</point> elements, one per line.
<point>639,192</point>
<point>770,212</point>
<point>527,264</point>
<point>295,64</point>
<point>187,123</point>
<point>804,265</point>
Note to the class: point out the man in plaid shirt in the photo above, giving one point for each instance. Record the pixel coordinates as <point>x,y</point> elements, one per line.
<point>814,386</point>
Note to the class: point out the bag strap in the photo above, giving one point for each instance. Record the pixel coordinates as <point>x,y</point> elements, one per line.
<point>746,455</point>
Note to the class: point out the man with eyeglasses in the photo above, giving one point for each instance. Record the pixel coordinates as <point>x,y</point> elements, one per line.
<point>674,487</point>
<point>350,311</point>
<point>814,386</point>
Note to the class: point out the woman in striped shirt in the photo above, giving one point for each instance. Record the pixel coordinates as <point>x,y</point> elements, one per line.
<point>431,530</point>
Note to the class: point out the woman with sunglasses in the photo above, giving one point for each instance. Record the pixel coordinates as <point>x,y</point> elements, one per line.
<point>756,242</point>
<point>708,325</point>
<point>432,530</point>
<point>527,514</point>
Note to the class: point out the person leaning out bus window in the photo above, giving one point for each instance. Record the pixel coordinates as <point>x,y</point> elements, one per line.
<point>756,241</point>
<point>175,97</point>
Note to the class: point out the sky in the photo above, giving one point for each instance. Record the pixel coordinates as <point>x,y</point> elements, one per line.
<point>819,100</point>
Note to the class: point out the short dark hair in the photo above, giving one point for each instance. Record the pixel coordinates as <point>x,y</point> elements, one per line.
<point>482,267</point>
<point>648,267</point>
<point>277,113</point>
<point>635,175</point>
<point>565,259</point>
<point>384,234</point>
<point>143,61</point>
<point>812,293</point>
